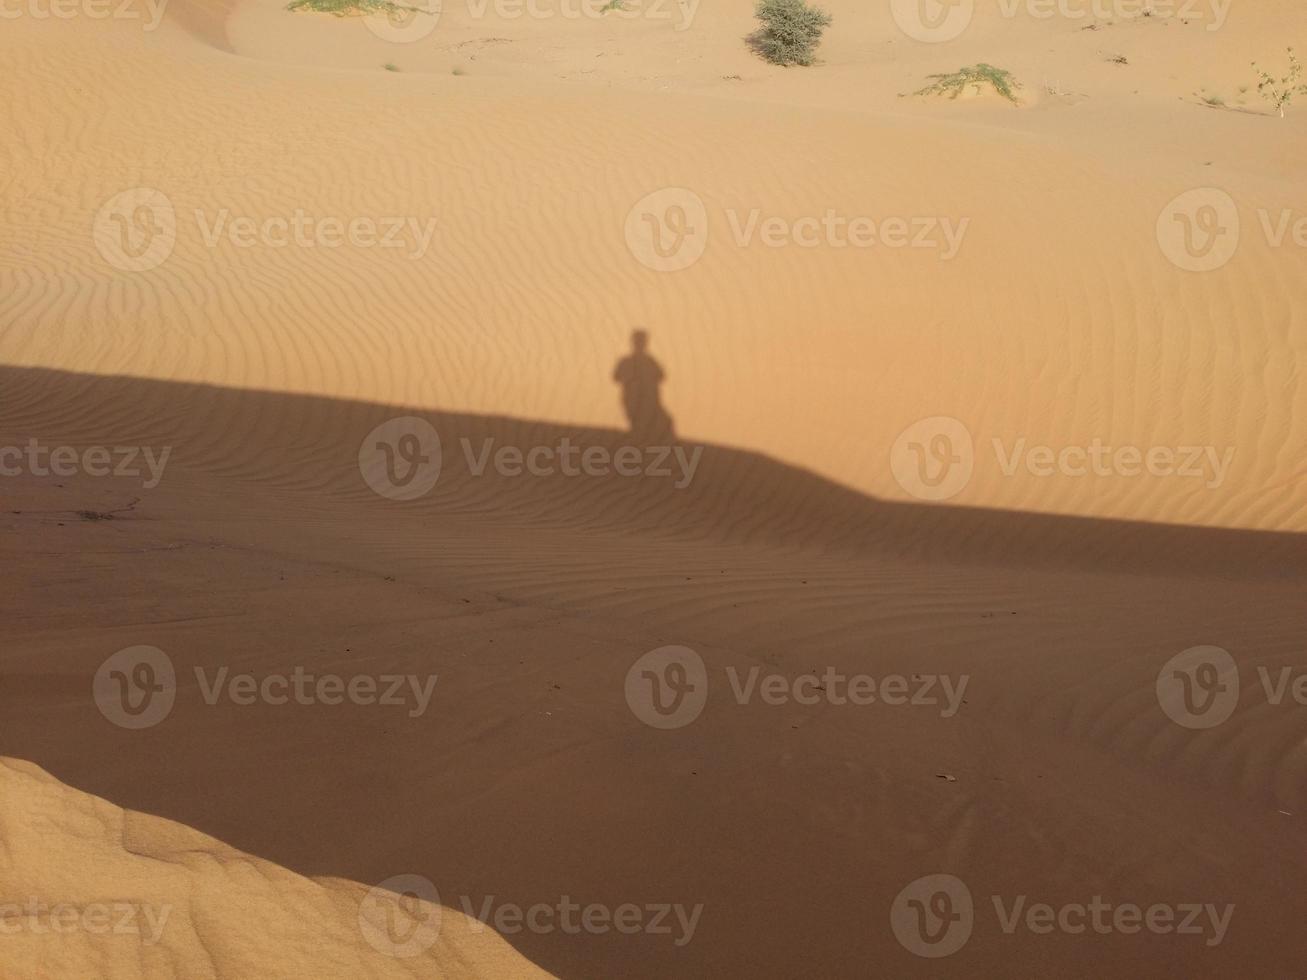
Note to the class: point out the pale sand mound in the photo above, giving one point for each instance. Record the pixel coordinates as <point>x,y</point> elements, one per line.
<point>91,890</point>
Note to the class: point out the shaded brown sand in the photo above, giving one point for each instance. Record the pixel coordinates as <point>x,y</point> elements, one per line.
<point>530,779</point>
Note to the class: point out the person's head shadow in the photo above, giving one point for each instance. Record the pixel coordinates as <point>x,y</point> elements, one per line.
<point>640,376</point>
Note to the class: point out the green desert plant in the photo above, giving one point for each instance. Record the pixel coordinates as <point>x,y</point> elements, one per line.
<point>790,32</point>
<point>954,83</point>
<point>1279,92</point>
<point>352,8</point>
<point>390,66</point>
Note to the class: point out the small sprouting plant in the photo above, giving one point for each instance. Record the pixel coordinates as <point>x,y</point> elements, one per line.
<point>390,66</point>
<point>459,70</point>
<point>613,5</point>
<point>1279,92</point>
<point>954,83</point>
<point>352,8</point>
<point>790,32</point>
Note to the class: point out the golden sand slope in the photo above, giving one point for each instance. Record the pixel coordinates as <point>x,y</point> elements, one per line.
<point>91,890</point>
<point>1059,321</point>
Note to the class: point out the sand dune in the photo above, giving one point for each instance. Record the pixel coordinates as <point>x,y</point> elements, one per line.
<point>93,890</point>
<point>495,189</point>
<point>526,291</point>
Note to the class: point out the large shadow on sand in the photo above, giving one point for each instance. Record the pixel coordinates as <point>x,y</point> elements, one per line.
<point>263,547</point>
<point>311,443</point>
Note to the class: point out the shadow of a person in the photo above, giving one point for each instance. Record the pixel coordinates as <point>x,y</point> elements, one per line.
<point>640,375</point>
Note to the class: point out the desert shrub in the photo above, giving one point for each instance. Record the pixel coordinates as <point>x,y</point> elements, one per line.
<point>954,83</point>
<point>350,8</point>
<point>1279,92</point>
<point>790,32</point>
